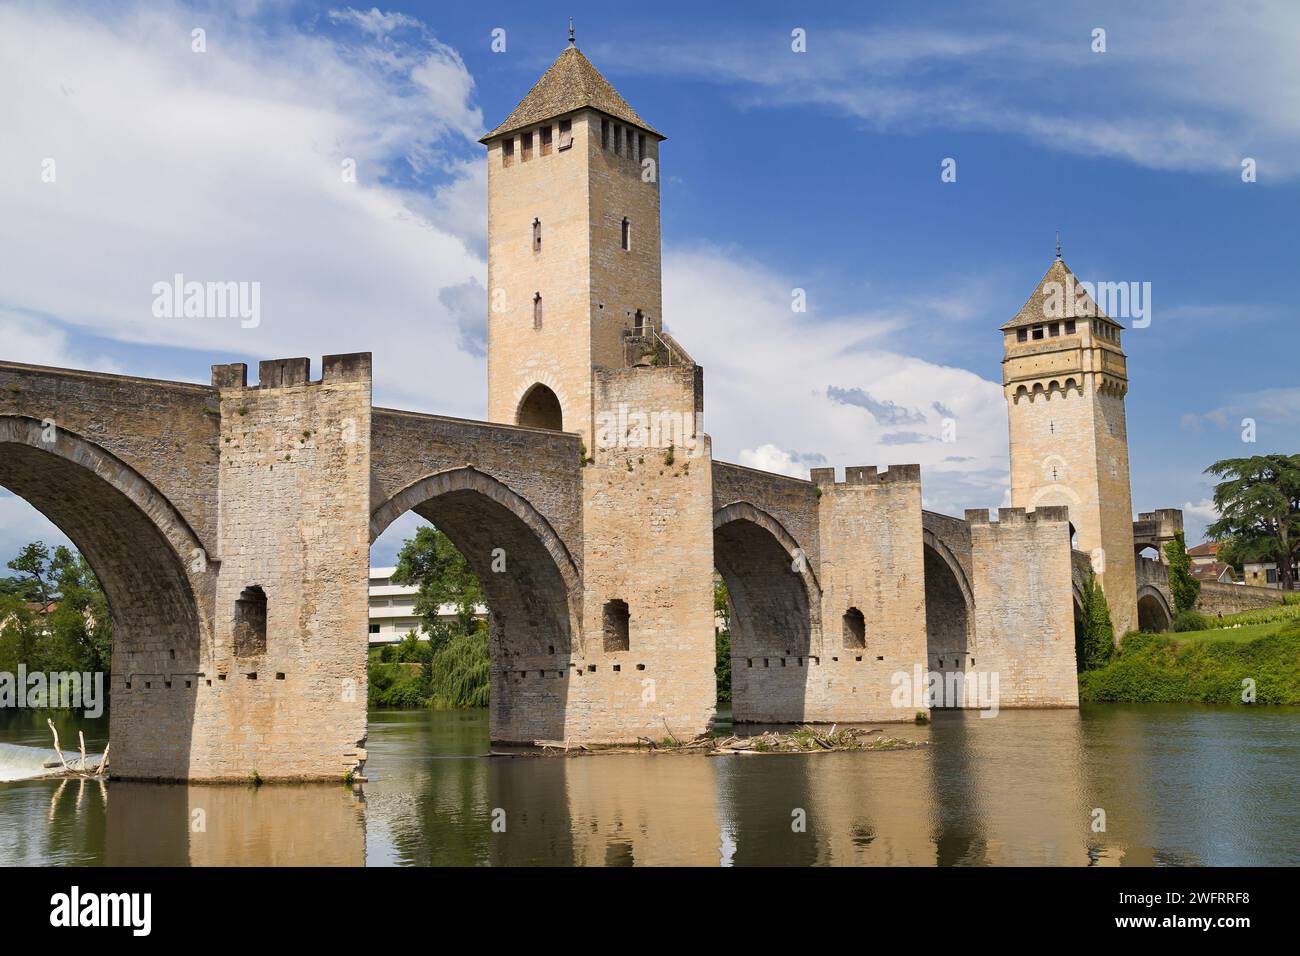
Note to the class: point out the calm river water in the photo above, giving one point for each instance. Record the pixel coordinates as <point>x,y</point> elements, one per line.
<point>1179,784</point>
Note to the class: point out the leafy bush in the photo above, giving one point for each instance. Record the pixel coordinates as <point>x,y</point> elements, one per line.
<point>397,685</point>
<point>1192,621</point>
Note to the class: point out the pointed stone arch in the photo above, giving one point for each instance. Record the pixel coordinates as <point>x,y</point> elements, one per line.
<point>532,586</point>
<point>156,575</point>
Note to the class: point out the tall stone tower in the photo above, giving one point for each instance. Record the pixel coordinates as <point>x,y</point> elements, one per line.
<point>1065,376</point>
<point>573,245</point>
<point>576,342</point>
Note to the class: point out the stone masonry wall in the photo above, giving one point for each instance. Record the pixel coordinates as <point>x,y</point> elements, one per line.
<point>294,521</point>
<point>648,535</point>
<point>871,560</point>
<point>1024,619</point>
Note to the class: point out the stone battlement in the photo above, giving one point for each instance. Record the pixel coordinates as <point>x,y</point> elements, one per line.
<point>1008,516</point>
<point>288,372</point>
<point>865,475</point>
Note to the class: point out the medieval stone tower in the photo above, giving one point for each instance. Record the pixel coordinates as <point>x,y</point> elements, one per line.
<point>1065,376</point>
<point>573,245</point>
<point>576,343</point>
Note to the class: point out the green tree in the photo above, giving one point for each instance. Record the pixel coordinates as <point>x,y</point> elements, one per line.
<point>1094,635</point>
<point>431,562</point>
<point>1258,502</point>
<point>455,659</point>
<point>1181,583</point>
<point>75,629</point>
<point>722,640</point>
<point>33,562</point>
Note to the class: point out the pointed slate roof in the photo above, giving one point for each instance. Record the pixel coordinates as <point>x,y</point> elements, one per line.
<point>1034,312</point>
<point>571,83</point>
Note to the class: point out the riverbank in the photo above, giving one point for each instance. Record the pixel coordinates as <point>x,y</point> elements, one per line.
<point>1252,664</point>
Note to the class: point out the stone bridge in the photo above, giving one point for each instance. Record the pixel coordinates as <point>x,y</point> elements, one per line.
<point>1215,599</point>
<point>230,525</point>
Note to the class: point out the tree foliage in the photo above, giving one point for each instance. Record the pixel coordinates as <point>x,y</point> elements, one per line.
<point>722,640</point>
<point>1094,635</point>
<point>69,628</point>
<point>1185,588</point>
<point>433,564</point>
<point>451,668</point>
<point>1258,501</point>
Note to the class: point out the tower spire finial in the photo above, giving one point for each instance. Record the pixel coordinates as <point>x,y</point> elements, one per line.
<point>1058,244</point>
<point>571,40</point>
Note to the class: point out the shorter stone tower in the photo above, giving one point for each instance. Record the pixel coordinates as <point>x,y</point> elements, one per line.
<point>1065,377</point>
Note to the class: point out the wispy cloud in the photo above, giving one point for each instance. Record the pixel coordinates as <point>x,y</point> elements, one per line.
<point>766,378</point>
<point>1181,86</point>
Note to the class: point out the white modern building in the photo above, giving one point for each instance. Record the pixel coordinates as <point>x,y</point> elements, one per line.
<point>392,609</point>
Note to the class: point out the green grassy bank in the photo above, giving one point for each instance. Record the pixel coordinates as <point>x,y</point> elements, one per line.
<point>1207,666</point>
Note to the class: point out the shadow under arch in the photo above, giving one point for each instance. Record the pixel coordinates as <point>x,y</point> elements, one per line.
<point>139,547</point>
<point>949,610</point>
<point>1154,613</point>
<point>533,590</point>
<point>540,407</point>
<point>775,613</point>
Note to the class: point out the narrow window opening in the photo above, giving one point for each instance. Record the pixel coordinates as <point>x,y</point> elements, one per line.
<point>1038,332</point>
<point>1054,329</point>
<point>507,151</point>
<point>528,147</point>
<point>566,134</point>
<point>1070,326</point>
<point>627,234</point>
<point>537,310</point>
<point>640,145</point>
<point>855,628</point>
<point>618,141</point>
<point>638,322</point>
<point>250,622</point>
<point>537,235</point>
<point>616,621</point>
<point>546,140</point>
<point>1022,335</point>
<point>604,134</point>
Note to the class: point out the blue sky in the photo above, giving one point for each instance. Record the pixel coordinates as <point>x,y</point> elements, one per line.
<point>817,170</point>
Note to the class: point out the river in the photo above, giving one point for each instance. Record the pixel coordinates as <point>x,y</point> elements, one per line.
<point>1109,784</point>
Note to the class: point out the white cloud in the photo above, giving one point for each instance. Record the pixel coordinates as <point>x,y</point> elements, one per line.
<point>227,165</point>
<point>1204,510</point>
<point>773,459</point>
<point>772,378</point>
<point>36,342</point>
<point>21,524</point>
<point>1181,87</point>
